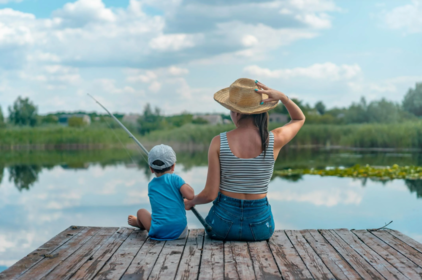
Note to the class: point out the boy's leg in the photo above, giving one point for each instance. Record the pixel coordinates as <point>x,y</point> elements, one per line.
<point>142,219</point>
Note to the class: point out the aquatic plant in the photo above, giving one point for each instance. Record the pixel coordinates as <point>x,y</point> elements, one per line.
<point>358,171</point>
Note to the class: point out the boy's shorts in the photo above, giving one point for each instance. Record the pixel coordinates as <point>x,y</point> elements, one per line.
<point>184,233</point>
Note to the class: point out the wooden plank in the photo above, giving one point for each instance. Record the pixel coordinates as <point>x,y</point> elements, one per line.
<point>403,264</point>
<point>212,263</point>
<point>237,261</point>
<point>409,241</point>
<point>288,261</point>
<point>48,264</point>
<point>191,258</point>
<point>69,266</point>
<point>122,258</point>
<point>144,262</point>
<point>333,260</point>
<point>95,264</point>
<point>365,270</point>
<point>168,261</point>
<point>37,255</point>
<point>383,267</point>
<point>401,246</point>
<point>309,257</point>
<point>263,261</point>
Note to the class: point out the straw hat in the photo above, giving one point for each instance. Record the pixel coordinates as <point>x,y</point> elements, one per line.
<point>241,97</point>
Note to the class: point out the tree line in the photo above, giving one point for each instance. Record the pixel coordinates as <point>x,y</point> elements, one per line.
<point>24,112</point>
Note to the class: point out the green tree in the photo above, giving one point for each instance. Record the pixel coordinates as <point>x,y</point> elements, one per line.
<point>150,120</point>
<point>23,112</point>
<point>2,124</point>
<point>412,101</point>
<point>320,107</point>
<point>357,112</point>
<point>383,111</point>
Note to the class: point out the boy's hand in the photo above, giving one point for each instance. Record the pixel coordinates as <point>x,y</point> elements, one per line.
<point>188,204</point>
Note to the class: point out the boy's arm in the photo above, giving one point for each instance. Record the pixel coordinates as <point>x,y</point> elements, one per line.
<point>187,191</point>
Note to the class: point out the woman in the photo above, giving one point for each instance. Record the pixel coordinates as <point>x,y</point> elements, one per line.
<point>241,162</point>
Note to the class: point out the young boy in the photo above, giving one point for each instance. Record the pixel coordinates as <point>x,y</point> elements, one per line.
<point>166,192</point>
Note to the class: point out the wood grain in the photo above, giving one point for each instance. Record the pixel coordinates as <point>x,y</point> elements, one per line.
<point>382,266</point>
<point>288,260</point>
<point>333,260</point>
<point>123,257</point>
<point>263,261</point>
<point>46,265</point>
<point>401,246</point>
<point>90,268</point>
<point>314,263</point>
<point>142,265</point>
<point>168,261</point>
<point>191,258</point>
<point>37,255</point>
<point>69,266</point>
<point>351,256</point>
<point>212,263</point>
<point>409,241</point>
<point>237,261</point>
<point>403,264</point>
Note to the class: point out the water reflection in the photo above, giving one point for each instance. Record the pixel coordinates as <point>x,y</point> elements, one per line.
<point>43,193</point>
<point>24,176</point>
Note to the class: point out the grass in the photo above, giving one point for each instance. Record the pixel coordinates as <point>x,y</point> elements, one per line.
<point>397,135</point>
<point>405,135</point>
<point>60,136</point>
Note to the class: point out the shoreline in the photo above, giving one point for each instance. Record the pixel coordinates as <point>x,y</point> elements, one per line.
<point>184,147</point>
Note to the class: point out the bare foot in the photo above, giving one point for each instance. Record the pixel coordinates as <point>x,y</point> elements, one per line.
<point>133,221</point>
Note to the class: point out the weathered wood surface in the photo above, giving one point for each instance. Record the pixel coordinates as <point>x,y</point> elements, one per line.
<point>333,260</point>
<point>38,255</point>
<point>126,253</point>
<point>399,261</point>
<point>237,261</point>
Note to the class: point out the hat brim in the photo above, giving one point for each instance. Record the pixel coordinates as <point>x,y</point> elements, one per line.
<point>222,97</point>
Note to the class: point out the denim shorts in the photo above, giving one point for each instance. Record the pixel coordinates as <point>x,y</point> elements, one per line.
<point>240,220</point>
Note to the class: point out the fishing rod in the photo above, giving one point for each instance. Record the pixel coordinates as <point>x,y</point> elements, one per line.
<point>207,227</point>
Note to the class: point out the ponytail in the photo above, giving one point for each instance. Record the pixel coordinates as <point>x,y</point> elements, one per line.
<point>261,122</point>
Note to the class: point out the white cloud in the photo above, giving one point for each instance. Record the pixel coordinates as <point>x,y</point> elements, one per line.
<point>174,42</point>
<point>82,12</point>
<point>319,71</point>
<point>407,17</point>
<point>327,198</point>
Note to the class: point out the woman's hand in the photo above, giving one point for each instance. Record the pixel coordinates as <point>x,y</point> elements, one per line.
<point>273,95</point>
<point>188,204</point>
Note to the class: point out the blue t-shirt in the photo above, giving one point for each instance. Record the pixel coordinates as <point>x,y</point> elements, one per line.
<point>168,208</point>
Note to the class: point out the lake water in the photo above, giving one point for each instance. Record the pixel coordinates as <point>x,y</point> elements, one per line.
<point>42,193</point>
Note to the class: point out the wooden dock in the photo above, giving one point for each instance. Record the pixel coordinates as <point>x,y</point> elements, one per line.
<point>125,253</point>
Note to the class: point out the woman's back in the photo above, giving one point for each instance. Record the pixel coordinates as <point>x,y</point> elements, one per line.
<point>244,143</point>
<point>245,175</point>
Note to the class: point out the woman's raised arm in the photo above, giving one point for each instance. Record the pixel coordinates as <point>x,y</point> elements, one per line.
<point>212,185</point>
<point>286,133</point>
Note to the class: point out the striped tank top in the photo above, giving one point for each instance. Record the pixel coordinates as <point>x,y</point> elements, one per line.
<point>245,175</point>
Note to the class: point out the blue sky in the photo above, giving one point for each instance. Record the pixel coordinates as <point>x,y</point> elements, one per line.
<point>175,54</point>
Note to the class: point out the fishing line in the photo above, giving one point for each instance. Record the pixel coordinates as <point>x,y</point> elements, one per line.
<point>207,227</point>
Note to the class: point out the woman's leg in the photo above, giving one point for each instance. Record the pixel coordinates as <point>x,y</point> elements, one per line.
<point>142,219</point>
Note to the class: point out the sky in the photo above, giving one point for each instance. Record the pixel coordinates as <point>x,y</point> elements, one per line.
<point>175,54</point>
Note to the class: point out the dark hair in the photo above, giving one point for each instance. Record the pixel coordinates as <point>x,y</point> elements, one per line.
<point>261,122</point>
<point>160,163</point>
